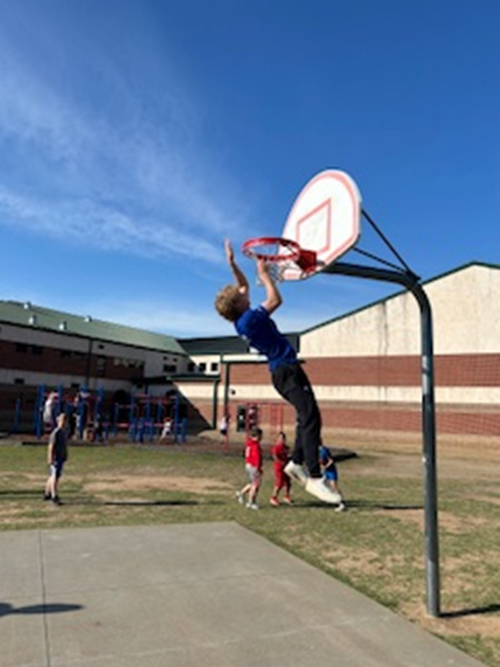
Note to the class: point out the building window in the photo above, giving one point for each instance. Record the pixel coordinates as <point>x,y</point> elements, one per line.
<point>202,367</point>
<point>214,366</point>
<point>128,363</point>
<point>18,380</point>
<point>169,368</point>
<point>101,367</point>
<point>37,350</point>
<point>191,367</point>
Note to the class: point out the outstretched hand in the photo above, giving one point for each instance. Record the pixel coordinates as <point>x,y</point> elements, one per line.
<point>262,268</point>
<point>240,277</point>
<point>229,251</point>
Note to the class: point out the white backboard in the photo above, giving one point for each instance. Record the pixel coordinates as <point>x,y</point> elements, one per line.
<point>325,218</point>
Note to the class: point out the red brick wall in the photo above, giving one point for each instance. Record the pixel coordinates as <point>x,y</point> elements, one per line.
<point>454,370</point>
<point>55,360</point>
<point>467,370</point>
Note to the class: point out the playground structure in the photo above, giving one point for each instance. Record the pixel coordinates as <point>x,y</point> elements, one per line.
<point>93,418</point>
<point>84,410</point>
<point>145,418</point>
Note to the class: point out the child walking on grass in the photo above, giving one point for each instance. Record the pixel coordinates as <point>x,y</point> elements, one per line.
<point>281,456</point>
<point>330,473</point>
<point>253,466</point>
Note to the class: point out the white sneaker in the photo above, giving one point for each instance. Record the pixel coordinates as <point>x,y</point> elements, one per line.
<point>316,486</point>
<point>240,498</point>
<point>252,506</point>
<point>297,472</point>
<point>341,507</point>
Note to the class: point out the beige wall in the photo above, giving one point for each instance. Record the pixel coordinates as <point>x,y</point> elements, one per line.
<point>466,319</point>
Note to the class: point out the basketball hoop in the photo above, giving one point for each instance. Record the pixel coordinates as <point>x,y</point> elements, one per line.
<point>282,254</point>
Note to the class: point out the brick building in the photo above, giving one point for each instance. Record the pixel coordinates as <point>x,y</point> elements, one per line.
<point>364,365</point>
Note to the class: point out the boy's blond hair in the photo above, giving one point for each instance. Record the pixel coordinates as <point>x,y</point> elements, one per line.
<point>227,302</point>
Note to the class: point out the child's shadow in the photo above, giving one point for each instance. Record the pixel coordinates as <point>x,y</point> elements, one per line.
<point>380,505</point>
<point>7,609</point>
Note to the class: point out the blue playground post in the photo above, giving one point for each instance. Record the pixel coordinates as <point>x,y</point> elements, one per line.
<point>132,430</point>
<point>159,418</point>
<point>17,416</point>
<point>116,414</point>
<point>180,425</point>
<point>82,411</point>
<point>98,404</point>
<point>99,431</point>
<point>146,419</point>
<point>183,429</point>
<point>38,414</point>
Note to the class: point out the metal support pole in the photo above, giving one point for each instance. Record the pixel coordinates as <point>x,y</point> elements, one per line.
<point>429,455</point>
<point>411,282</point>
<point>227,380</point>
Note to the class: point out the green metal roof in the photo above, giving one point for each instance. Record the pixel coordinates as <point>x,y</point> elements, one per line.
<point>223,344</point>
<point>28,315</point>
<point>215,345</point>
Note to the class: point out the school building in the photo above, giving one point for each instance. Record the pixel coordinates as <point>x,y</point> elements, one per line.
<point>365,366</point>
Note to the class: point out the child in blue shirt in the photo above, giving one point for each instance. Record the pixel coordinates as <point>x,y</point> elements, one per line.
<point>330,473</point>
<point>288,377</point>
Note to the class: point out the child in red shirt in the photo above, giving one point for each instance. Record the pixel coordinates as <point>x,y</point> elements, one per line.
<point>253,467</point>
<point>281,456</point>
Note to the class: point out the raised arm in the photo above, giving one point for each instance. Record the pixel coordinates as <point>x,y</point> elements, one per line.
<point>273,296</point>
<point>239,276</point>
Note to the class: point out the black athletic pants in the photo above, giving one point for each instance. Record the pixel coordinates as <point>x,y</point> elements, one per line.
<point>292,383</point>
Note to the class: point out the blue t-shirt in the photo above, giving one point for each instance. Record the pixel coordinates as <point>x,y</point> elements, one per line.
<point>324,455</point>
<point>261,333</point>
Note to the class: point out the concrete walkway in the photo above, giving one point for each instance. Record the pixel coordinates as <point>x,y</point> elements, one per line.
<point>199,595</point>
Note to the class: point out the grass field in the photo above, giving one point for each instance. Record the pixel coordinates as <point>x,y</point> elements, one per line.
<point>377,546</point>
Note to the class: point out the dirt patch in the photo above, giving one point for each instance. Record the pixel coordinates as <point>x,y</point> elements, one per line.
<point>155,482</point>
<point>447,521</point>
<point>401,464</point>
<point>364,561</point>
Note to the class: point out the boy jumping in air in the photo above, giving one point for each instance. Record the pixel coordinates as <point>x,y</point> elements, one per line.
<point>259,330</point>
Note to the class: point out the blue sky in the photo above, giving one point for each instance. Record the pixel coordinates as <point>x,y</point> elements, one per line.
<point>135,135</point>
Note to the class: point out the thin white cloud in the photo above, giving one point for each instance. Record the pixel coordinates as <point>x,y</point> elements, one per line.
<point>104,228</point>
<point>133,176</point>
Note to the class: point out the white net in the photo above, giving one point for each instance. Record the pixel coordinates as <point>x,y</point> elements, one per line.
<point>277,270</point>
<point>282,257</point>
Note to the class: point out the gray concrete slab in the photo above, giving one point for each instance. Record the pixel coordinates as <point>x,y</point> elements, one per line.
<point>215,595</point>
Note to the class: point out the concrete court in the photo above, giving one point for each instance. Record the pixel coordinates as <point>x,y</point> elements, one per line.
<point>211,595</point>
